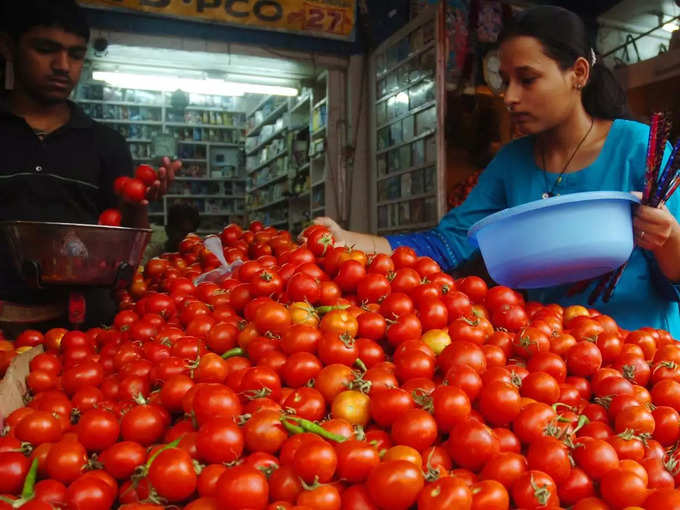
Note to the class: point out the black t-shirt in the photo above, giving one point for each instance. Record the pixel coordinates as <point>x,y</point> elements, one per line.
<point>65,176</point>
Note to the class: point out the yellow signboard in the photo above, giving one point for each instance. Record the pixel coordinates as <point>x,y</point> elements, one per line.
<point>319,18</point>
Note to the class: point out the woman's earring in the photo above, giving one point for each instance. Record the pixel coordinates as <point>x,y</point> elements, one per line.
<point>579,86</point>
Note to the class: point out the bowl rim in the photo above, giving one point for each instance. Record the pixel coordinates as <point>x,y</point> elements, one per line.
<point>543,203</point>
<point>11,223</point>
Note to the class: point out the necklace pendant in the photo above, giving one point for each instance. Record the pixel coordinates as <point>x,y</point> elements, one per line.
<point>545,195</point>
<point>559,179</point>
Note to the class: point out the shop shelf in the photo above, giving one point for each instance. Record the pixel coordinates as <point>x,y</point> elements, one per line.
<point>319,131</point>
<point>266,163</point>
<point>265,142</point>
<point>429,132</point>
<point>127,121</point>
<point>300,103</point>
<point>413,55</point>
<point>273,115</point>
<point>270,181</point>
<point>202,196</point>
<point>268,205</point>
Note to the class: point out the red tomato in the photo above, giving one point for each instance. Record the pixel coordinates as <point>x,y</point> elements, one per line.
<point>474,446</point>
<point>172,475</point>
<point>146,174</point>
<point>242,486</point>
<point>447,492</point>
<point>110,217</point>
<point>535,489</point>
<point>395,484</point>
<point>134,190</point>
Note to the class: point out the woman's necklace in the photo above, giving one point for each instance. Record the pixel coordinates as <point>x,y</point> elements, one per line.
<point>549,192</point>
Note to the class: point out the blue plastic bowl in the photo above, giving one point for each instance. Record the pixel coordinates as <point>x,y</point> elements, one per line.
<point>558,240</point>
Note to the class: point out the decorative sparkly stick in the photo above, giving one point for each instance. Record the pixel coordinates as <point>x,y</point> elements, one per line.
<point>599,288</point>
<point>615,279</point>
<point>663,134</point>
<point>650,156</point>
<point>651,174</point>
<point>667,175</point>
<point>673,186</point>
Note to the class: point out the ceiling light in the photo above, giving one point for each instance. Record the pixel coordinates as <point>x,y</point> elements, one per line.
<point>213,87</point>
<point>671,26</point>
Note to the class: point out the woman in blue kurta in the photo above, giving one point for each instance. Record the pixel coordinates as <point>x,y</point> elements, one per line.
<point>570,108</point>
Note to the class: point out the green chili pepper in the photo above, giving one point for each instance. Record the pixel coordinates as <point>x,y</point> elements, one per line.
<point>292,429</point>
<point>27,493</point>
<point>326,309</point>
<point>232,353</point>
<point>310,426</point>
<point>173,444</point>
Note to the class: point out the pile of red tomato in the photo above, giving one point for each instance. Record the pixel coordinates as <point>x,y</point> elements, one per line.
<point>316,377</point>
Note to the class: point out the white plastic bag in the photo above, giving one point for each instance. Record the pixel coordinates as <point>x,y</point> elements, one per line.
<point>214,244</point>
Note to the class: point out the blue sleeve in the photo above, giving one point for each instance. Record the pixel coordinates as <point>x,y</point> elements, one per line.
<point>447,243</point>
<point>668,289</point>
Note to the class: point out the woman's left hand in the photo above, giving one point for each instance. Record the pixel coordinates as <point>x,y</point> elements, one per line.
<point>653,227</point>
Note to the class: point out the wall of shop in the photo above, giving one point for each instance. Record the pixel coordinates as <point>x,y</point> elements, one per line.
<point>384,19</point>
<point>358,137</point>
<point>610,36</point>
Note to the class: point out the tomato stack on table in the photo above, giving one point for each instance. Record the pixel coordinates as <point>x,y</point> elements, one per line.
<point>324,378</point>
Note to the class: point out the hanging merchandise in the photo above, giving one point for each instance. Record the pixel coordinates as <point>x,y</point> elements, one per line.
<point>472,27</point>
<point>490,21</point>
<point>457,38</point>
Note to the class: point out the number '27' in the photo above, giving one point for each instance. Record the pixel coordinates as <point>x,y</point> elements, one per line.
<point>324,20</point>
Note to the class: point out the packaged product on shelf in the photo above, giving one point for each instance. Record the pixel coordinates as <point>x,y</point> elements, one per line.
<point>112,94</point>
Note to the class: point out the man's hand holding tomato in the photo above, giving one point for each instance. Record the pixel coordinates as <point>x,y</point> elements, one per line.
<point>165,176</point>
<point>136,192</point>
<point>148,185</point>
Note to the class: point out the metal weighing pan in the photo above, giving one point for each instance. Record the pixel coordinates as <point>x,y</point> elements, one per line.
<point>70,254</point>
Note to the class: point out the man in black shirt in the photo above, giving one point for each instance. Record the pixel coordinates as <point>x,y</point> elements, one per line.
<point>56,164</point>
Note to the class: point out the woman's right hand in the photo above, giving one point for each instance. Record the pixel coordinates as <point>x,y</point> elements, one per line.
<point>365,242</point>
<point>331,225</point>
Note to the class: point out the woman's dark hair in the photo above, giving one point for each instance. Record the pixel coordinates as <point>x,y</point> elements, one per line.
<point>564,38</point>
<point>18,17</point>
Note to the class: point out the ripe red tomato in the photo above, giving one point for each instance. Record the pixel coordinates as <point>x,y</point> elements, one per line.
<point>89,492</point>
<point>220,440</point>
<point>499,403</point>
<point>172,475</point>
<point>622,488</point>
<point>404,256</point>
<point>119,184</point>
<point>595,456</point>
<point>143,424</point>
<point>474,446</point>
<point>447,492</point>
<point>134,190</point>
<point>584,359</point>
<point>242,487</point>
<point>110,217</point>
<point>415,428</point>
<point>535,489</point>
<point>98,429</point>
<point>13,469</point>
<point>506,467</point>
<point>395,484</point>
<point>66,460</point>
<point>146,174</point>
<point>121,459</point>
